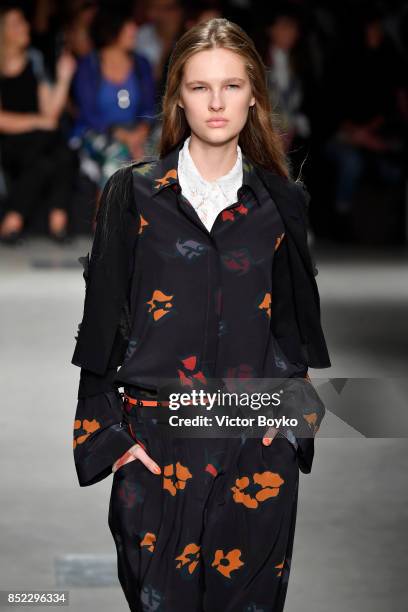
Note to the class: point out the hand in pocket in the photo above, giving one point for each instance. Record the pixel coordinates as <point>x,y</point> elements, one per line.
<point>136,452</point>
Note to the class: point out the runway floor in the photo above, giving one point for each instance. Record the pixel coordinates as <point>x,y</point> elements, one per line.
<point>351,545</point>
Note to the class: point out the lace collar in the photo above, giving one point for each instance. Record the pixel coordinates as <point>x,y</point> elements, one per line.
<point>208,195</point>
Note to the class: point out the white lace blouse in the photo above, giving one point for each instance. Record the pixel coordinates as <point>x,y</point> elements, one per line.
<point>209,198</point>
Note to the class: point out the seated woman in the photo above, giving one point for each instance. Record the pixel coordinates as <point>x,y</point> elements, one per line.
<point>35,159</point>
<point>114,91</point>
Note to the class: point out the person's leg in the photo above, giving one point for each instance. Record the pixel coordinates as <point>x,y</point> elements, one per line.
<point>29,170</point>
<point>157,521</point>
<point>60,187</point>
<point>249,532</point>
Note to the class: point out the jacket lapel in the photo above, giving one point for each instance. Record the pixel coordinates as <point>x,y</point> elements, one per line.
<point>164,170</point>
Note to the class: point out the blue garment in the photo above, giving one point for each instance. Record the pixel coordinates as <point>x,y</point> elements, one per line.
<point>119,103</point>
<point>91,95</point>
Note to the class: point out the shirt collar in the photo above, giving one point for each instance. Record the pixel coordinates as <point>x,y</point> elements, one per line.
<point>163,173</point>
<point>189,175</point>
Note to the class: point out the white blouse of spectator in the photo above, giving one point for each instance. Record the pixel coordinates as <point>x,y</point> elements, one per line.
<point>209,198</point>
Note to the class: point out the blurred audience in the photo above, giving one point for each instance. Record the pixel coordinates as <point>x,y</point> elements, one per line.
<point>366,81</point>
<point>338,88</point>
<point>114,94</point>
<point>156,38</point>
<point>77,35</point>
<point>36,161</point>
<point>284,75</point>
<point>290,72</point>
<point>199,11</point>
<point>46,20</point>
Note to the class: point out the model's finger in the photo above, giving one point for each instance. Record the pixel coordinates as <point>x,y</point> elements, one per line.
<point>125,458</point>
<point>269,436</point>
<point>141,454</point>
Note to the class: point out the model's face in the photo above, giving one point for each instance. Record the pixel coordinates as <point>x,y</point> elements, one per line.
<point>215,84</point>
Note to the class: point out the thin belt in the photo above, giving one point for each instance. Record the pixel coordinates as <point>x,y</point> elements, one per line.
<point>136,401</point>
<point>129,401</point>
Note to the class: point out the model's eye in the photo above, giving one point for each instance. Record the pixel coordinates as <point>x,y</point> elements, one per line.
<point>202,86</point>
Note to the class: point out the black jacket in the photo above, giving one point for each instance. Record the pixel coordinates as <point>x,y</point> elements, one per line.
<point>101,339</point>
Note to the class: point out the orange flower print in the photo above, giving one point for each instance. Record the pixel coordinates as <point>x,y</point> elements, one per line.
<point>279,240</point>
<point>266,303</point>
<point>311,421</point>
<point>189,558</point>
<point>226,564</point>
<point>87,426</point>
<point>143,223</point>
<point>241,209</point>
<point>263,486</point>
<point>164,304</point>
<point>229,215</point>
<point>164,180</point>
<point>175,481</point>
<point>279,566</point>
<point>190,364</point>
<point>149,541</point>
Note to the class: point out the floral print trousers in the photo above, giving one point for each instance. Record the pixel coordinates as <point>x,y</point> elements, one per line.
<point>214,531</point>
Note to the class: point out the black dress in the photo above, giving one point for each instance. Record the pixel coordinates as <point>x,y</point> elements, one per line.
<point>214,532</point>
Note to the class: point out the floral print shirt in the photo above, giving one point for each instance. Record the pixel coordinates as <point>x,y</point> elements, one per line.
<point>201,304</point>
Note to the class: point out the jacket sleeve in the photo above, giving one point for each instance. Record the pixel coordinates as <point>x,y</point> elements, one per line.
<point>99,433</point>
<point>103,332</point>
<point>305,199</point>
<point>300,400</point>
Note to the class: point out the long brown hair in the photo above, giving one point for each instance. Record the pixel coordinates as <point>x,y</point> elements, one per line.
<point>259,139</point>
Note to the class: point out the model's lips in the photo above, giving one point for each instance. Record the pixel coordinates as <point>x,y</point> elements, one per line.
<point>217,122</point>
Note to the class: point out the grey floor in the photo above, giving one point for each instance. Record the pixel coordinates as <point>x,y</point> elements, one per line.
<point>351,544</point>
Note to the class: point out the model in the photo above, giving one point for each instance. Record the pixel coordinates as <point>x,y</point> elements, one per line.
<point>200,277</point>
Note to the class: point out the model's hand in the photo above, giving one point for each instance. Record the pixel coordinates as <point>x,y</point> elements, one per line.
<point>137,452</point>
<point>272,431</point>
